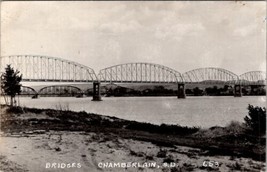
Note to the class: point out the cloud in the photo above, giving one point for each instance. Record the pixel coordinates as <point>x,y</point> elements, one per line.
<point>182,35</point>
<point>118,27</point>
<point>179,30</point>
<point>246,30</point>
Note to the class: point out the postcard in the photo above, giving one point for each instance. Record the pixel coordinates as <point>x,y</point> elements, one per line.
<point>133,86</point>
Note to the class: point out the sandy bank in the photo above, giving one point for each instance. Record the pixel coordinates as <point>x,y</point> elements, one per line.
<point>92,151</point>
<point>34,139</point>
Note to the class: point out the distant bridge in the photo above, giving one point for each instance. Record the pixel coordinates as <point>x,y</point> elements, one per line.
<point>253,78</point>
<point>37,68</point>
<point>213,75</point>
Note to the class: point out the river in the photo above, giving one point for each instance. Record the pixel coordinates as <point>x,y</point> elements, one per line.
<point>192,111</point>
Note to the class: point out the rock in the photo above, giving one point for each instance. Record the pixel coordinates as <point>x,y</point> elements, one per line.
<point>57,149</point>
<point>39,131</point>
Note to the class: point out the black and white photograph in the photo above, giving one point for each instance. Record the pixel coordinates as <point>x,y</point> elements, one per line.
<point>164,86</point>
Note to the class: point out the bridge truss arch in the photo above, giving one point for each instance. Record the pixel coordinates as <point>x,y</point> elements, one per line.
<point>43,68</point>
<point>140,73</point>
<point>253,78</point>
<point>26,90</point>
<point>210,75</point>
<point>60,90</point>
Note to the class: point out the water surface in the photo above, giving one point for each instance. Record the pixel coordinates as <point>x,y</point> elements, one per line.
<point>192,111</point>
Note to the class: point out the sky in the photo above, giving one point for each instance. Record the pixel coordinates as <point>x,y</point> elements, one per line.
<point>180,35</point>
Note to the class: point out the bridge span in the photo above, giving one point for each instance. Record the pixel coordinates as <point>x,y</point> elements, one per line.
<point>49,69</point>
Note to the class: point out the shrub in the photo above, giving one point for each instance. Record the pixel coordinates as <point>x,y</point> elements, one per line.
<point>256,119</point>
<point>235,127</point>
<point>162,153</point>
<point>15,110</point>
<point>162,129</point>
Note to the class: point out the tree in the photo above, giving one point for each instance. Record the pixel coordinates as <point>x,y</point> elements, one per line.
<point>11,83</point>
<point>256,119</point>
<point>197,91</point>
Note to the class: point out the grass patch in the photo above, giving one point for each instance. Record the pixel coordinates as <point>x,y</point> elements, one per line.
<point>163,128</point>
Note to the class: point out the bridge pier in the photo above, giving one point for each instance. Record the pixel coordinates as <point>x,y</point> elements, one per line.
<point>181,91</point>
<point>96,91</point>
<point>35,96</point>
<point>238,90</point>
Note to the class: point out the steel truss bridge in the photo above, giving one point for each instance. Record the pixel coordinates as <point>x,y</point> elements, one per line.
<point>37,68</point>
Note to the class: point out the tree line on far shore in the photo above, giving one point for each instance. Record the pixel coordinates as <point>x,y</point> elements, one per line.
<point>196,91</point>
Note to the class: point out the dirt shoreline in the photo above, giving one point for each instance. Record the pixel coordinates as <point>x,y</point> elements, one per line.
<point>33,137</point>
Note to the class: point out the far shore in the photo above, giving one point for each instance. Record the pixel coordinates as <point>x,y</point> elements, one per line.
<point>61,135</point>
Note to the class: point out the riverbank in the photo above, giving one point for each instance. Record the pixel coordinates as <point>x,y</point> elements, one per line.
<point>46,135</point>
